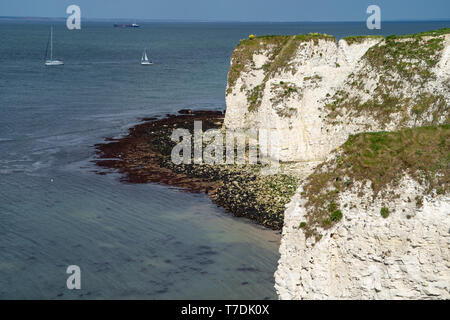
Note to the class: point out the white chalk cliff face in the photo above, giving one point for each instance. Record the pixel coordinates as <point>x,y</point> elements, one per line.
<point>316,92</point>
<point>289,87</point>
<point>405,256</point>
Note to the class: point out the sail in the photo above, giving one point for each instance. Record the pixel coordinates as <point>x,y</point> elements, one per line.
<point>51,43</point>
<point>46,49</point>
<point>144,59</point>
<point>144,56</point>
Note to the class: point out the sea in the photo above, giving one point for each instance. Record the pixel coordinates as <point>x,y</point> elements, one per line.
<point>130,241</point>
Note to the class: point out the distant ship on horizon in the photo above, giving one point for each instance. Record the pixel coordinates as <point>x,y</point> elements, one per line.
<point>132,25</point>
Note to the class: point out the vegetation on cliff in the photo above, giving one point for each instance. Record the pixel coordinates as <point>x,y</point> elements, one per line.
<point>359,39</point>
<point>402,67</point>
<point>279,51</point>
<point>396,63</point>
<point>242,58</point>
<point>382,159</point>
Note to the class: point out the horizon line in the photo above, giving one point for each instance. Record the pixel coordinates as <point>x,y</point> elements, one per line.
<point>218,20</point>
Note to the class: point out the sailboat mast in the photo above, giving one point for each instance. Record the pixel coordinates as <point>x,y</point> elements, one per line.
<point>51,62</point>
<point>51,43</point>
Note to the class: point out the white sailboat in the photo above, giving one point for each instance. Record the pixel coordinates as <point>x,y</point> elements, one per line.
<point>51,62</point>
<point>144,59</point>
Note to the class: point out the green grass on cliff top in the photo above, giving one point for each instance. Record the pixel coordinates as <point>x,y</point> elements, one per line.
<point>381,158</point>
<point>432,33</point>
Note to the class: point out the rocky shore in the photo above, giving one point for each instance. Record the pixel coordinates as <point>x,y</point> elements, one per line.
<point>143,156</point>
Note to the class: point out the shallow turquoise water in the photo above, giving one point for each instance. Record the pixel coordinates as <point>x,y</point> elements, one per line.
<point>131,241</point>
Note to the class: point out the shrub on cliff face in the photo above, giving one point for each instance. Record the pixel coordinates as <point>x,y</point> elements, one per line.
<point>381,158</point>
<point>336,216</point>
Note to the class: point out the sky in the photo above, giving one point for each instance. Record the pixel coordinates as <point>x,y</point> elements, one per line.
<point>232,10</point>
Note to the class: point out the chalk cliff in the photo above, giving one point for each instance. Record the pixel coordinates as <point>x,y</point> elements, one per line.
<point>316,91</point>
<point>388,245</point>
<point>372,221</point>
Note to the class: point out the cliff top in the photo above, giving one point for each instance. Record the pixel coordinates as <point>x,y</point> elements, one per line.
<point>257,40</point>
